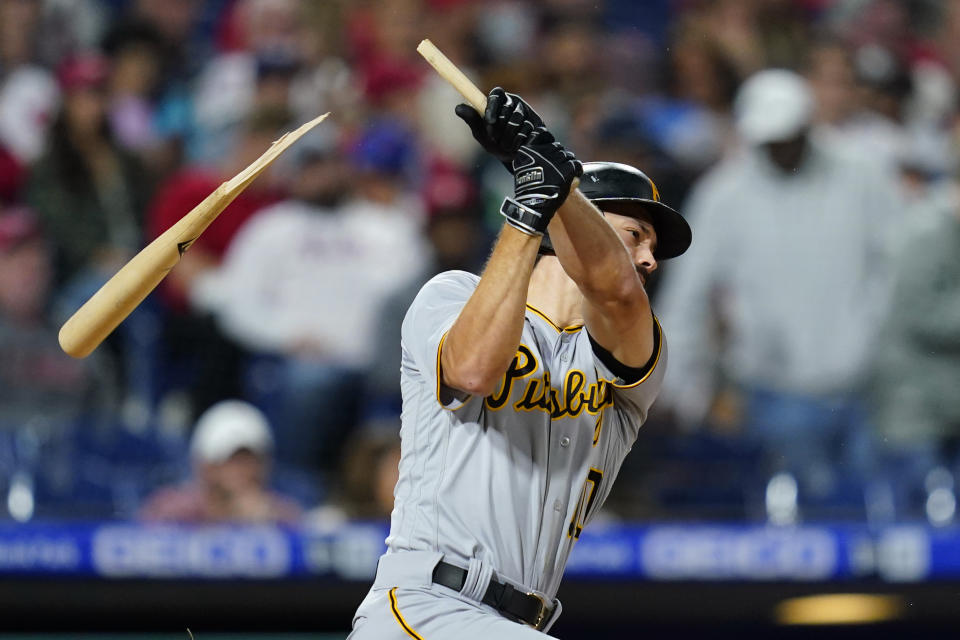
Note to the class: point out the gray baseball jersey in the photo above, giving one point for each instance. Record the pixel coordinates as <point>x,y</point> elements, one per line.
<point>505,484</point>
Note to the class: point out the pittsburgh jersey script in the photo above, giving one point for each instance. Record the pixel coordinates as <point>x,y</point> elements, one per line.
<point>576,397</point>
<point>510,480</point>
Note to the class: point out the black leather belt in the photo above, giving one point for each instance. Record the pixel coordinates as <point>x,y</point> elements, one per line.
<point>519,606</point>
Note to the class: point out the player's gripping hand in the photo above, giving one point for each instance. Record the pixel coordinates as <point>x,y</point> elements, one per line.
<point>543,172</point>
<point>507,123</point>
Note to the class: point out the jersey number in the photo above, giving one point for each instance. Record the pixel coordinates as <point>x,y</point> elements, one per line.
<point>590,489</point>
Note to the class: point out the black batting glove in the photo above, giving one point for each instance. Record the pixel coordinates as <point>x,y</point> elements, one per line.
<point>507,123</point>
<point>543,172</point>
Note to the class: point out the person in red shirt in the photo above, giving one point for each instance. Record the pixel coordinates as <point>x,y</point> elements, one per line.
<point>209,365</point>
<point>187,188</point>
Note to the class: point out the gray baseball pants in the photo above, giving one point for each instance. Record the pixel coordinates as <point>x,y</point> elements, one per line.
<point>404,603</point>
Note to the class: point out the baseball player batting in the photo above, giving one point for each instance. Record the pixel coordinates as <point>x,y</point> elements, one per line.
<point>523,391</point>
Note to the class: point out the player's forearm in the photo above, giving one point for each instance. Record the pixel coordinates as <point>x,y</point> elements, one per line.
<point>592,253</point>
<point>484,339</point>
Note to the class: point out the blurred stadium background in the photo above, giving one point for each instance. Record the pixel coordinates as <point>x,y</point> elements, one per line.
<point>764,496</point>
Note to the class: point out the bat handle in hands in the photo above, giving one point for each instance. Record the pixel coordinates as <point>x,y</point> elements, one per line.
<point>449,72</point>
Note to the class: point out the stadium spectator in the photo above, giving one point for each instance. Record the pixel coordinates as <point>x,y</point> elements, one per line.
<point>691,120</point>
<point>302,281</point>
<point>12,175</point>
<point>255,72</point>
<point>916,372</point>
<point>884,84</point>
<point>210,362</point>
<point>828,67</point>
<point>944,43</point>
<point>135,52</point>
<point>186,42</point>
<point>29,96</point>
<point>781,293</point>
<point>231,452</point>
<point>324,80</point>
<point>369,468</point>
<point>188,187</point>
<point>46,397</point>
<point>89,195</point>
<point>88,192</point>
<point>183,33</point>
<point>38,382</point>
<point>873,101</point>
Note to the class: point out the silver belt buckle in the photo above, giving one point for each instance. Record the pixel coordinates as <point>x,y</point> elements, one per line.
<point>542,614</point>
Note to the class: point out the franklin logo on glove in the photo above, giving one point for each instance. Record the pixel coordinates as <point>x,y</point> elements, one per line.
<point>543,173</point>
<point>533,176</point>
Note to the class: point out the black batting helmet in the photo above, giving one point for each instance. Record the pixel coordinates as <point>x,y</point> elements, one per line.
<point>625,190</point>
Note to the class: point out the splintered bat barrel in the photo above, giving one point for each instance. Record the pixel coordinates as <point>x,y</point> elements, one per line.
<point>121,294</point>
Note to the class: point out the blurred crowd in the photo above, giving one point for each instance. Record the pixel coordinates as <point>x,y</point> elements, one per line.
<point>814,325</point>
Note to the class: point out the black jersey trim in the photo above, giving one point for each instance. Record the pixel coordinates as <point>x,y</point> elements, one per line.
<point>440,370</point>
<point>630,376</point>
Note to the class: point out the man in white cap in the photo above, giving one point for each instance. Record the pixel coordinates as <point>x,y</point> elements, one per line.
<point>777,302</point>
<point>230,451</point>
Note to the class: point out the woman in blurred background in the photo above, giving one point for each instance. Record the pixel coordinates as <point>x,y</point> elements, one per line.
<point>87,191</point>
